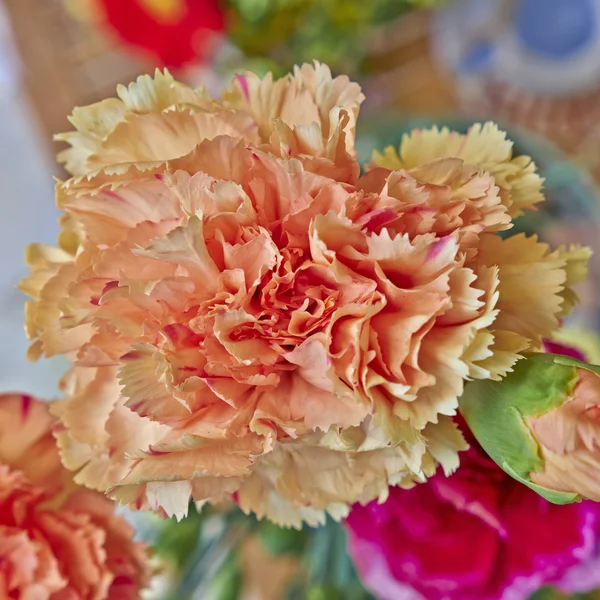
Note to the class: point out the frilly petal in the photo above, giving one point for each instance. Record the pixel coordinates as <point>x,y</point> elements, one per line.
<point>485,147</point>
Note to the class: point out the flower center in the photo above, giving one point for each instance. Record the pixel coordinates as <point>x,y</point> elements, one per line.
<point>165,11</point>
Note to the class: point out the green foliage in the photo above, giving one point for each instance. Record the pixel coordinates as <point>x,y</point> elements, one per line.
<point>551,594</point>
<point>279,540</point>
<point>205,545</point>
<point>204,548</point>
<point>177,541</point>
<point>330,571</point>
<point>294,31</point>
<point>227,583</point>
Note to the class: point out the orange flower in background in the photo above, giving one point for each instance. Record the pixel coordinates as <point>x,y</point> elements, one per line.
<point>174,33</point>
<point>249,319</point>
<point>57,540</point>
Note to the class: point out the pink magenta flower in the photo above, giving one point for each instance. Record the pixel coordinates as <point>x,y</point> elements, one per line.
<point>249,319</point>
<point>477,535</point>
<point>57,541</point>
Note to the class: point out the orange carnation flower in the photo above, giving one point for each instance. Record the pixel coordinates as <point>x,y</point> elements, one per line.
<point>57,540</point>
<point>248,319</point>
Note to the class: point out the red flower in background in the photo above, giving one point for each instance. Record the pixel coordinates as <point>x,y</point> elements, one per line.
<point>175,32</point>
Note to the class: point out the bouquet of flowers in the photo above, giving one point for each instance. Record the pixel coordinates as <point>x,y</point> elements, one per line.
<point>257,325</point>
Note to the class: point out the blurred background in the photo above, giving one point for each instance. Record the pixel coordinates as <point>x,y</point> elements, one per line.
<point>531,65</point>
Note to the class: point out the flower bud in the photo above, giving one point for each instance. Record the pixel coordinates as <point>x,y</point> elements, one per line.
<point>541,424</point>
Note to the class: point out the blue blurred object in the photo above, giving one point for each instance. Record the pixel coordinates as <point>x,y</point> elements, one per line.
<point>550,47</point>
<point>555,29</point>
<point>478,57</point>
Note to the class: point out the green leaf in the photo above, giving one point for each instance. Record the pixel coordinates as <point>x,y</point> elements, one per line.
<point>178,540</point>
<point>324,593</point>
<point>550,495</point>
<point>546,593</point>
<point>331,573</point>
<point>279,540</point>
<point>227,583</point>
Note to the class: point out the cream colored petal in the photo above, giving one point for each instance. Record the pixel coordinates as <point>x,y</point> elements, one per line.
<point>171,496</point>
<point>297,483</point>
<point>147,385</point>
<point>505,348</point>
<point>444,442</point>
<point>165,136</point>
<point>485,147</point>
<point>92,395</point>
<point>155,94</point>
<point>191,457</point>
<point>532,280</point>
<point>102,467</point>
<point>266,100</point>
<point>585,340</point>
<point>92,123</point>
<point>577,259</point>
<point>186,247</point>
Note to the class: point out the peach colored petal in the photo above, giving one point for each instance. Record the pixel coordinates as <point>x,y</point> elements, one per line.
<point>145,380</point>
<point>565,473</point>
<point>82,554</point>
<point>329,93</point>
<point>298,406</point>
<point>163,136</point>
<point>92,394</point>
<point>485,147</point>
<point>120,206</point>
<point>307,96</point>
<point>569,439</point>
<point>323,156</point>
<point>26,571</point>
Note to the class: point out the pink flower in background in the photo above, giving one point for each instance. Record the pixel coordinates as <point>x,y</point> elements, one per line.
<point>555,347</point>
<point>478,535</point>
<point>57,541</point>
